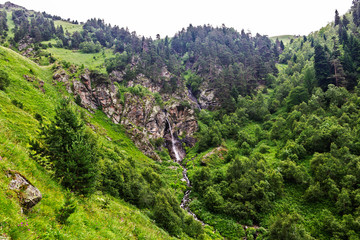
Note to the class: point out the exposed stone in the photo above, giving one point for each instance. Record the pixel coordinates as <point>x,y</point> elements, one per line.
<point>29,78</point>
<point>116,76</point>
<point>9,5</point>
<point>27,193</point>
<point>141,115</point>
<point>207,99</point>
<point>145,82</point>
<point>189,141</point>
<point>61,76</point>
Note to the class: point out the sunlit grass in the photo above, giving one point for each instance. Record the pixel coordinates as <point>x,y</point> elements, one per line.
<point>71,28</point>
<point>118,220</point>
<point>91,61</point>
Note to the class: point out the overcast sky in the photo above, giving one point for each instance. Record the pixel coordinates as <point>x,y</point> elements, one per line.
<point>166,17</point>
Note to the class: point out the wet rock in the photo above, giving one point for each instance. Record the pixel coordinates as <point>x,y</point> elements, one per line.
<point>27,193</point>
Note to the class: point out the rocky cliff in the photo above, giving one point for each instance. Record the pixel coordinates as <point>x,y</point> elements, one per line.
<point>142,113</point>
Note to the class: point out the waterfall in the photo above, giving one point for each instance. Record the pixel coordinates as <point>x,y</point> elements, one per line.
<point>173,141</point>
<point>179,154</point>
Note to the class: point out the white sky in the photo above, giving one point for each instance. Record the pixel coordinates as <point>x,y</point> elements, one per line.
<point>166,17</point>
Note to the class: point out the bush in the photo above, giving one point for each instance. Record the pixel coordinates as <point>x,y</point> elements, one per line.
<point>17,103</point>
<point>263,148</point>
<point>4,80</point>
<point>287,226</point>
<point>313,193</point>
<point>67,209</point>
<point>89,47</point>
<point>292,150</point>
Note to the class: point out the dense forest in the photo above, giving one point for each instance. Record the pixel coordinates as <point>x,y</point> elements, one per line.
<point>274,152</point>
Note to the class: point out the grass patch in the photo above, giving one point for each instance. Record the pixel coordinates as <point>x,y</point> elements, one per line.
<point>285,38</point>
<point>10,23</point>
<point>71,28</point>
<point>94,61</point>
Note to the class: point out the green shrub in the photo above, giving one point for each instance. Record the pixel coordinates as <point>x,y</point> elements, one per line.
<point>4,80</point>
<point>90,47</point>
<point>17,103</point>
<point>67,209</point>
<point>263,148</point>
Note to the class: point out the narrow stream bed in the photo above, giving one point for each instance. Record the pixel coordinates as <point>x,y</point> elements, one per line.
<point>178,155</point>
<point>186,199</point>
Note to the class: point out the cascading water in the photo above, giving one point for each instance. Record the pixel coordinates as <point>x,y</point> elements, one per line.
<point>179,154</point>
<point>173,142</point>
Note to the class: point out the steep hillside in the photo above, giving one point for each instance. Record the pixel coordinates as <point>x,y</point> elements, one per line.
<point>100,216</point>
<point>209,134</point>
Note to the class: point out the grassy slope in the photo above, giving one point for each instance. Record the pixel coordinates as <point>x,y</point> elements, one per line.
<point>71,28</point>
<point>285,38</point>
<point>90,221</point>
<point>10,24</point>
<point>91,61</point>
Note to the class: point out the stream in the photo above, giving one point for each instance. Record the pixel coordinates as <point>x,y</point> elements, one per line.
<point>179,155</point>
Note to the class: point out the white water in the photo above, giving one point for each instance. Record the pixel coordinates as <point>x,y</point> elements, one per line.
<point>178,158</point>
<point>177,155</point>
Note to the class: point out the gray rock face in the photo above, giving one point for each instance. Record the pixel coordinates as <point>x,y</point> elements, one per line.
<point>27,193</point>
<point>140,114</point>
<point>207,99</point>
<point>62,76</point>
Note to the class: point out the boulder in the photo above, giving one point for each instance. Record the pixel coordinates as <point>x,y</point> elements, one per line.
<point>27,193</point>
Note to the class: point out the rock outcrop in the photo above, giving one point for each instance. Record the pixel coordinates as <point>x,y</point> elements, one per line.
<point>141,113</point>
<point>63,77</point>
<point>27,193</point>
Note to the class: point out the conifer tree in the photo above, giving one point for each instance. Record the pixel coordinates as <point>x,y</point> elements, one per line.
<point>72,149</point>
<point>322,66</point>
<point>337,18</point>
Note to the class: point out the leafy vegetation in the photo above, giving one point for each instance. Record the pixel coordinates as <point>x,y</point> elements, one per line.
<point>17,127</point>
<point>277,150</point>
<point>4,80</point>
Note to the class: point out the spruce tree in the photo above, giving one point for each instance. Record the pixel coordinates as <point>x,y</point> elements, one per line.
<point>322,66</point>
<point>72,149</point>
<point>337,18</point>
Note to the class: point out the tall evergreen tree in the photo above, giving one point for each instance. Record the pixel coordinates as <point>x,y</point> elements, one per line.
<point>337,18</point>
<point>72,149</point>
<point>322,67</point>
